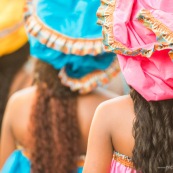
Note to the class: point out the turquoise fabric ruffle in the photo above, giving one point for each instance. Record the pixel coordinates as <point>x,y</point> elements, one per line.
<point>17,163</point>
<point>79,170</point>
<point>65,35</point>
<point>73,18</point>
<point>76,66</point>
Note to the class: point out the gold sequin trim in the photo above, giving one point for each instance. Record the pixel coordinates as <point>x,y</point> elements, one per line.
<point>124,160</point>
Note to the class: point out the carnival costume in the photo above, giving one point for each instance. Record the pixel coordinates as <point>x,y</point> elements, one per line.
<point>140,32</point>
<point>65,35</point>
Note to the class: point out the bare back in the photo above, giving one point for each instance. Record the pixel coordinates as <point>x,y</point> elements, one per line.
<point>17,118</point>
<point>121,125</point>
<point>111,130</point>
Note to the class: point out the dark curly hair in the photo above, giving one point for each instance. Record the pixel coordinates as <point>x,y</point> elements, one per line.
<point>54,124</point>
<point>9,66</point>
<point>153,133</point>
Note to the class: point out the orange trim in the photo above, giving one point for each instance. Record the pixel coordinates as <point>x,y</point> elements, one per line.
<point>156,26</point>
<point>57,40</point>
<point>124,161</point>
<point>58,34</point>
<point>92,80</point>
<point>80,163</point>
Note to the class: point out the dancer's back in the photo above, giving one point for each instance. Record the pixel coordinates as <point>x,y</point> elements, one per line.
<point>17,123</point>
<point>111,132</point>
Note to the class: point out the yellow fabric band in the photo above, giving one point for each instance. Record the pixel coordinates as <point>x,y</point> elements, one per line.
<point>12,32</point>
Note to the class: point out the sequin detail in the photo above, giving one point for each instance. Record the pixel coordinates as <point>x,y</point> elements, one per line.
<point>124,160</point>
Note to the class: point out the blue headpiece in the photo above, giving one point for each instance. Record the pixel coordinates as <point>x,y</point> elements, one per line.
<point>65,35</point>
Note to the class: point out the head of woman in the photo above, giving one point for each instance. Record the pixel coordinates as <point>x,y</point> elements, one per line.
<point>78,64</point>
<point>146,62</point>
<point>54,126</point>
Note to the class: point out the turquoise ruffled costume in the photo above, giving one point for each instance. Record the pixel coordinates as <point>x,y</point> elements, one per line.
<point>65,35</point>
<point>19,163</point>
<point>52,25</point>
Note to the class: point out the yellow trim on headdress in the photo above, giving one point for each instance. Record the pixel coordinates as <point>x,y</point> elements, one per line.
<point>12,32</point>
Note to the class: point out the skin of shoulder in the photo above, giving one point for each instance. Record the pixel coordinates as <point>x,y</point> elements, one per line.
<point>120,118</point>
<point>109,115</point>
<point>21,101</point>
<point>18,106</point>
<point>115,107</point>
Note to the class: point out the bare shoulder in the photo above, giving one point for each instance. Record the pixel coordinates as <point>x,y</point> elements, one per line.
<point>19,101</point>
<point>117,102</point>
<point>115,109</point>
<point>23,93</point>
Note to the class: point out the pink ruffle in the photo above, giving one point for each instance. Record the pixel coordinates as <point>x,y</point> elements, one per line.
<point>117,167</point>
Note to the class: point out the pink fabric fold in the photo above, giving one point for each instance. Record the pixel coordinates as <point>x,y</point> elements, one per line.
<point>129,31</point>
<point>140,32</point>
<point>152,78</point>
<point>117,167</point>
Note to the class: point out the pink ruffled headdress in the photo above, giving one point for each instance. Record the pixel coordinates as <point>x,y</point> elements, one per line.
<point>141,33</point>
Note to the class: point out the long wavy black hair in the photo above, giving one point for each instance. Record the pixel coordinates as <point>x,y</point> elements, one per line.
<point>153,134</point>
<point>54,128</point>
<point>9,66</point>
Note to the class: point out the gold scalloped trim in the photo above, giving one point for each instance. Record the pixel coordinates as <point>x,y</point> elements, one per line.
<point>58,41</point>
<point>92,80</point>
<point>163,34</point>
<point>105,15</point>
<point>150,22</point>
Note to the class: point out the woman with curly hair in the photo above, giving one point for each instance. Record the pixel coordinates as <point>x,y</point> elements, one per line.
<point>49,122</point>
<point>134,133</point>
<point>14,50</point>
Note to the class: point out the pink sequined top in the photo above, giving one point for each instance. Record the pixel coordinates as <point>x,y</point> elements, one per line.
<point>121,164</point>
